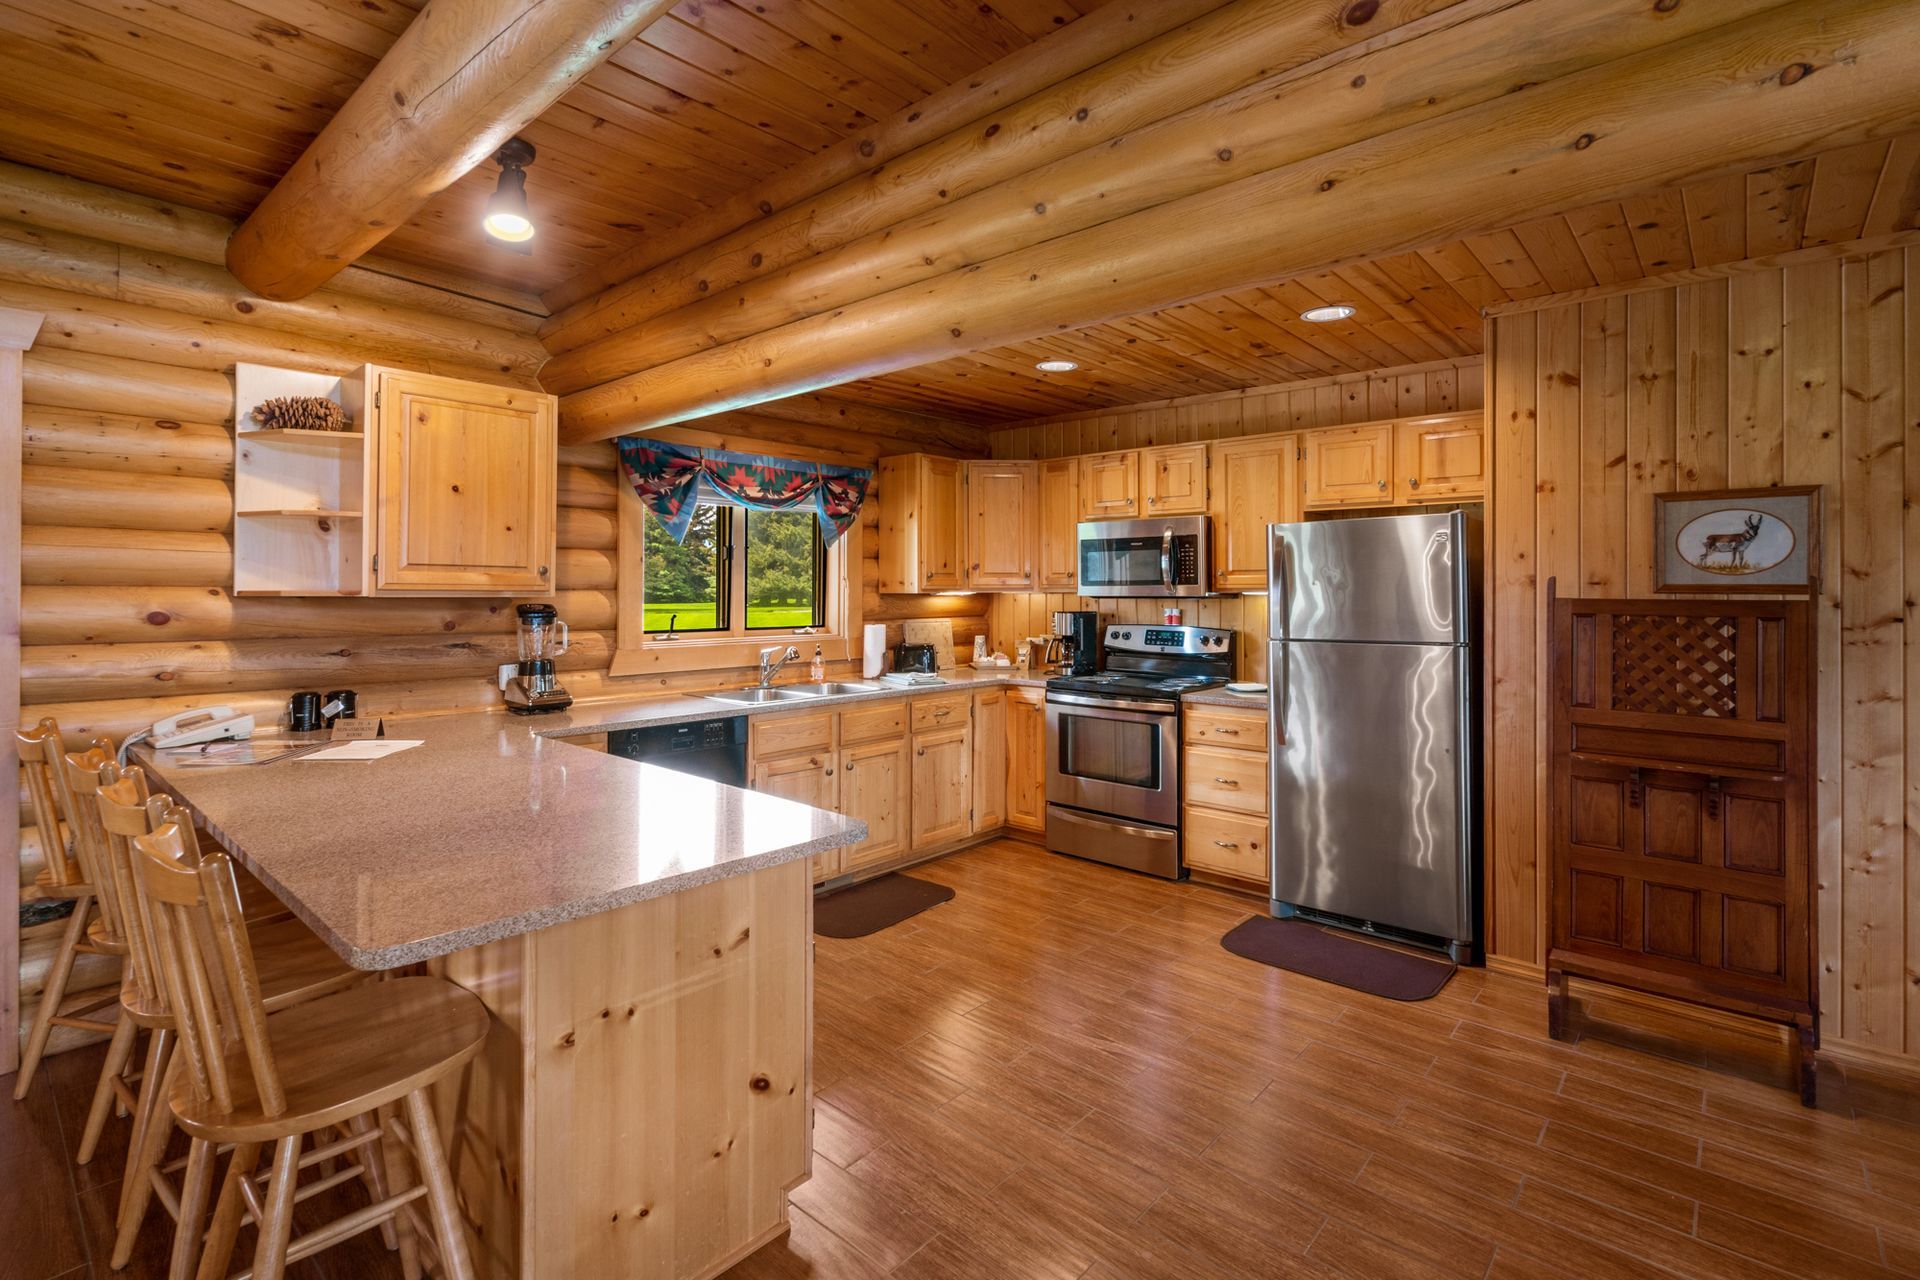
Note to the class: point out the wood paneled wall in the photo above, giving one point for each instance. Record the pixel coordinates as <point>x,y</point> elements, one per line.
<point>1438,387</point>
<point>1806,373</point>
<point>126,504</point>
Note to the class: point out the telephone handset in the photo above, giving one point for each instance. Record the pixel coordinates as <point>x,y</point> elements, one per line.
<point>191,728</point>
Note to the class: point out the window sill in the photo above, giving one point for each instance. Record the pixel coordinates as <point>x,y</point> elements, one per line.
<point>687,654</point>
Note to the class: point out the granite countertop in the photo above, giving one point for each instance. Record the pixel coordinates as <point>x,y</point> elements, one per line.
<point>497,826</point>
<point>1222,698</point>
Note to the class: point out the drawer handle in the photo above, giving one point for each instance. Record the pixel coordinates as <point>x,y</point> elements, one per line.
<point>942,711</point>
<point>1227,782</point>
<point>1233,732</point>
<point>1713,797</point>
<point>1226,844</point>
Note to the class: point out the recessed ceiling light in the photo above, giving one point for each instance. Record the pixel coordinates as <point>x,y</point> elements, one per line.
<point>1057,366</point>
<point>1327,314</point>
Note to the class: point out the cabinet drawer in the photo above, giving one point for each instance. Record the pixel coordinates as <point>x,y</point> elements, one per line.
<point>877,720</point>
<point>778,735</point>
<point>942,711</point>
<point>1224,727</point>
<point>1235,780</point>
<point>1228,844</point>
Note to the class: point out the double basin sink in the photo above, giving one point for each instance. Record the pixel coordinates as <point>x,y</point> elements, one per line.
<point>795,692</point>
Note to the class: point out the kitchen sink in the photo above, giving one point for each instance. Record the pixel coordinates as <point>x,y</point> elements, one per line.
<point>756,696</point>
<point>833,687</point>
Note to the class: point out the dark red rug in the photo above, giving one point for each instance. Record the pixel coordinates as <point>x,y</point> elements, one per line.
<point>878,904</point>
<point>1335,957</point>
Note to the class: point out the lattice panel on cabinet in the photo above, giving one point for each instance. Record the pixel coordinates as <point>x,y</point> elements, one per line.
<point>1674,665</point>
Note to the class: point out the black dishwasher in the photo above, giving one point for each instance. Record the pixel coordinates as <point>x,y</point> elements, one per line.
<point>715,749</point>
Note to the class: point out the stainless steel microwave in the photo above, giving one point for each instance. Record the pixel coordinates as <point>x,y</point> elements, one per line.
<point>1166,557</point>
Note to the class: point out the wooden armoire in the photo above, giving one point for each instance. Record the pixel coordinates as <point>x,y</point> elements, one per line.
<point>1680,810</point>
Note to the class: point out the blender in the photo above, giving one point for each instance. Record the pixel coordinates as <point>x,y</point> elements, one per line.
<point>532,687</point>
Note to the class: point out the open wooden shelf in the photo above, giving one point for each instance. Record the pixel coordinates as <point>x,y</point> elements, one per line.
<point>295,433</point>
<point>301,511</point>
<point>299,495</point>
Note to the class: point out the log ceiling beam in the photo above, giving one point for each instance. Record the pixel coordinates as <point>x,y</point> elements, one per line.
<point>1798,78</point>
<point>462,79</point>
<point>1459,57</point>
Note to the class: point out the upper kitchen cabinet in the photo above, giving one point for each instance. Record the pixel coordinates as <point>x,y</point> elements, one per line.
<point>1110,485</point>
<point>1058,565</point>
<point>1441,459</point>
<point>434,486</point>
<point>1350,466</point>
<point>465,497</point>
<point>1002,525</point>
<point>922,530</point>
<point>1173,480</point>
<point>1256,482</point>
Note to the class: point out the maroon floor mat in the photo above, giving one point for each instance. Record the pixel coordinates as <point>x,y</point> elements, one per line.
<point>877,904</point>
<point>1334,957</point>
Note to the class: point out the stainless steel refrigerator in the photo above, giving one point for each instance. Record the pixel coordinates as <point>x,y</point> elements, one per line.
<point>1374,680</point>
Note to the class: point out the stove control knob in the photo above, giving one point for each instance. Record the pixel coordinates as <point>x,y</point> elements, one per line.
<point>1126,635</point>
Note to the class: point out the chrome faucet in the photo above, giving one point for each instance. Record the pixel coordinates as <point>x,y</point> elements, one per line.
<point>770,665</point>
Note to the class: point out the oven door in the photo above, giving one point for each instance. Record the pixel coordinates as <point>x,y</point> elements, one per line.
<point>1113,756</point>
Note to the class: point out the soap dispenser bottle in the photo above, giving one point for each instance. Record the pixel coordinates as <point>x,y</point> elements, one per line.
<point>817,670</point>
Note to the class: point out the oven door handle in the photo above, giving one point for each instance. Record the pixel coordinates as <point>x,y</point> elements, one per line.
<point>1166,557</point>
<point>1160,710</point>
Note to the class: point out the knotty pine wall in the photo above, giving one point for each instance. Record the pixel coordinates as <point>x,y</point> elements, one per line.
<point>127,502</point>
<point>1439,387</point>
<point>1799,374</point>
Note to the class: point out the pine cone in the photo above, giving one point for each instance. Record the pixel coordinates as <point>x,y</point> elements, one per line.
<point>300,413</point>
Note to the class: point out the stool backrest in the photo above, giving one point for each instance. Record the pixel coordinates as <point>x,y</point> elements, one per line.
<point>83,773</point>
<point>207,965</point>
<point>41,749</point>
<point>124,813</point>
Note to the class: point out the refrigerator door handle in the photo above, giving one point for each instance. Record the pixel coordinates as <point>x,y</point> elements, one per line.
<point>1439,567</point>
<point>1282,603</point>
<point>1282,697</point>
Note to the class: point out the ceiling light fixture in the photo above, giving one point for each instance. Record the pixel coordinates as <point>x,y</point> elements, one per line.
<point>1057,366</point>
<point>1327,314</point>
<point>507,216</point>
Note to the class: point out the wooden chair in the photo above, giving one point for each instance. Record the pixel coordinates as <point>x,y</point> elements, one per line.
<point>295,966</point>
<point>67,875</point>
<point>354,1059</point>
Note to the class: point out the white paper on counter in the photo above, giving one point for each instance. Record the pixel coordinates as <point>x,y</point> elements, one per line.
<point>377,749</point>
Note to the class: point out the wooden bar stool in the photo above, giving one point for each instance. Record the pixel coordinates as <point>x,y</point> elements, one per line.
<point>239,1077</point>
<point>67,875</point>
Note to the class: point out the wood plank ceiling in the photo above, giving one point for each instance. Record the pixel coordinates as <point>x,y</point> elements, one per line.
<point>1421,306</point>
<point>208,101</point>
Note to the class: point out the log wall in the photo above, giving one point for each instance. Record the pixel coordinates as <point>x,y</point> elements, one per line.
<point>1440,387</point>
<point>1806,373</point>
<point>126,500</point>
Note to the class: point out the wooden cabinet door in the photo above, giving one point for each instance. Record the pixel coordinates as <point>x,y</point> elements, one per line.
<point>941,549</point>
<point>942,786</point>
<point>1256,482</point>
<point>1058,568</point>
<point>1441,459</point>
<point>876,786</point>
<point>465,499</point>
<point>1110,485</point>
<point>1002,525</point>
<point>989,760</point>
<point>1350,466</point>
<point>1173,479</point>
<point>1026,759</point>
<point>809,779</point>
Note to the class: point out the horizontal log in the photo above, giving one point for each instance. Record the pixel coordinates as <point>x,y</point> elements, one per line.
<point>1699,105</point>
<point>116,500</point>
<point>141,614</point>
<point>83,208</point>
<point>578,569</point>
<point>70,555</point>
<point>1456,59</point>
<point>595,453</point>
<point>588,487</point>
<point>58,437</point>
<point>37,947</point>
<point>52,673</point>
<point>591,530</point>
<point>137,388</point>
<point>1105,33</point>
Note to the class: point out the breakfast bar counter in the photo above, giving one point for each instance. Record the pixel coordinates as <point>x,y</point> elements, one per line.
<point>642,938</point>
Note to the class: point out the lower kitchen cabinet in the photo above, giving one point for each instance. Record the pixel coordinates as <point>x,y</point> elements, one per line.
<point>989,759</point>
<point>1224,784</point>
<point>806,777</point>
<point>1027,759</point>
<point>942,785</point>
<point>876,786</point>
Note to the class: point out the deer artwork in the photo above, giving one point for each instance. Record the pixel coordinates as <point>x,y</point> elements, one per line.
<point>1732,545</point>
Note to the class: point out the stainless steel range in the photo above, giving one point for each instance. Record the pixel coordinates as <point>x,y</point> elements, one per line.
<point>1113,745</point>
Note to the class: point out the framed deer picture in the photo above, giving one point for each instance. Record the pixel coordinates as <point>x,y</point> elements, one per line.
<point>1738,540</point>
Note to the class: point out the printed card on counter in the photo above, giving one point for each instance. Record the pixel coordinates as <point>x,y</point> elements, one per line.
<point>378,749</point>
<point>356,730</point>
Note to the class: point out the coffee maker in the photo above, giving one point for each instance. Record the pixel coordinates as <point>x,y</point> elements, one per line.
<point>1078,632</point>
<point>533,688</point>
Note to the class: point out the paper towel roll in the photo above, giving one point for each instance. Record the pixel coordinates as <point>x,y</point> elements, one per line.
<point>873,649</point>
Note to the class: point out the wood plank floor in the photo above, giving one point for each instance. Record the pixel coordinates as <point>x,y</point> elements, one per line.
<point>1061,1074</point>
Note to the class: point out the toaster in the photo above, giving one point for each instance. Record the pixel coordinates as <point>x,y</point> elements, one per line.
<point>913,657</point>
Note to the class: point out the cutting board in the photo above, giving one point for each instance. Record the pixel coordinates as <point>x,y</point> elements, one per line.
<point>937,632</point>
